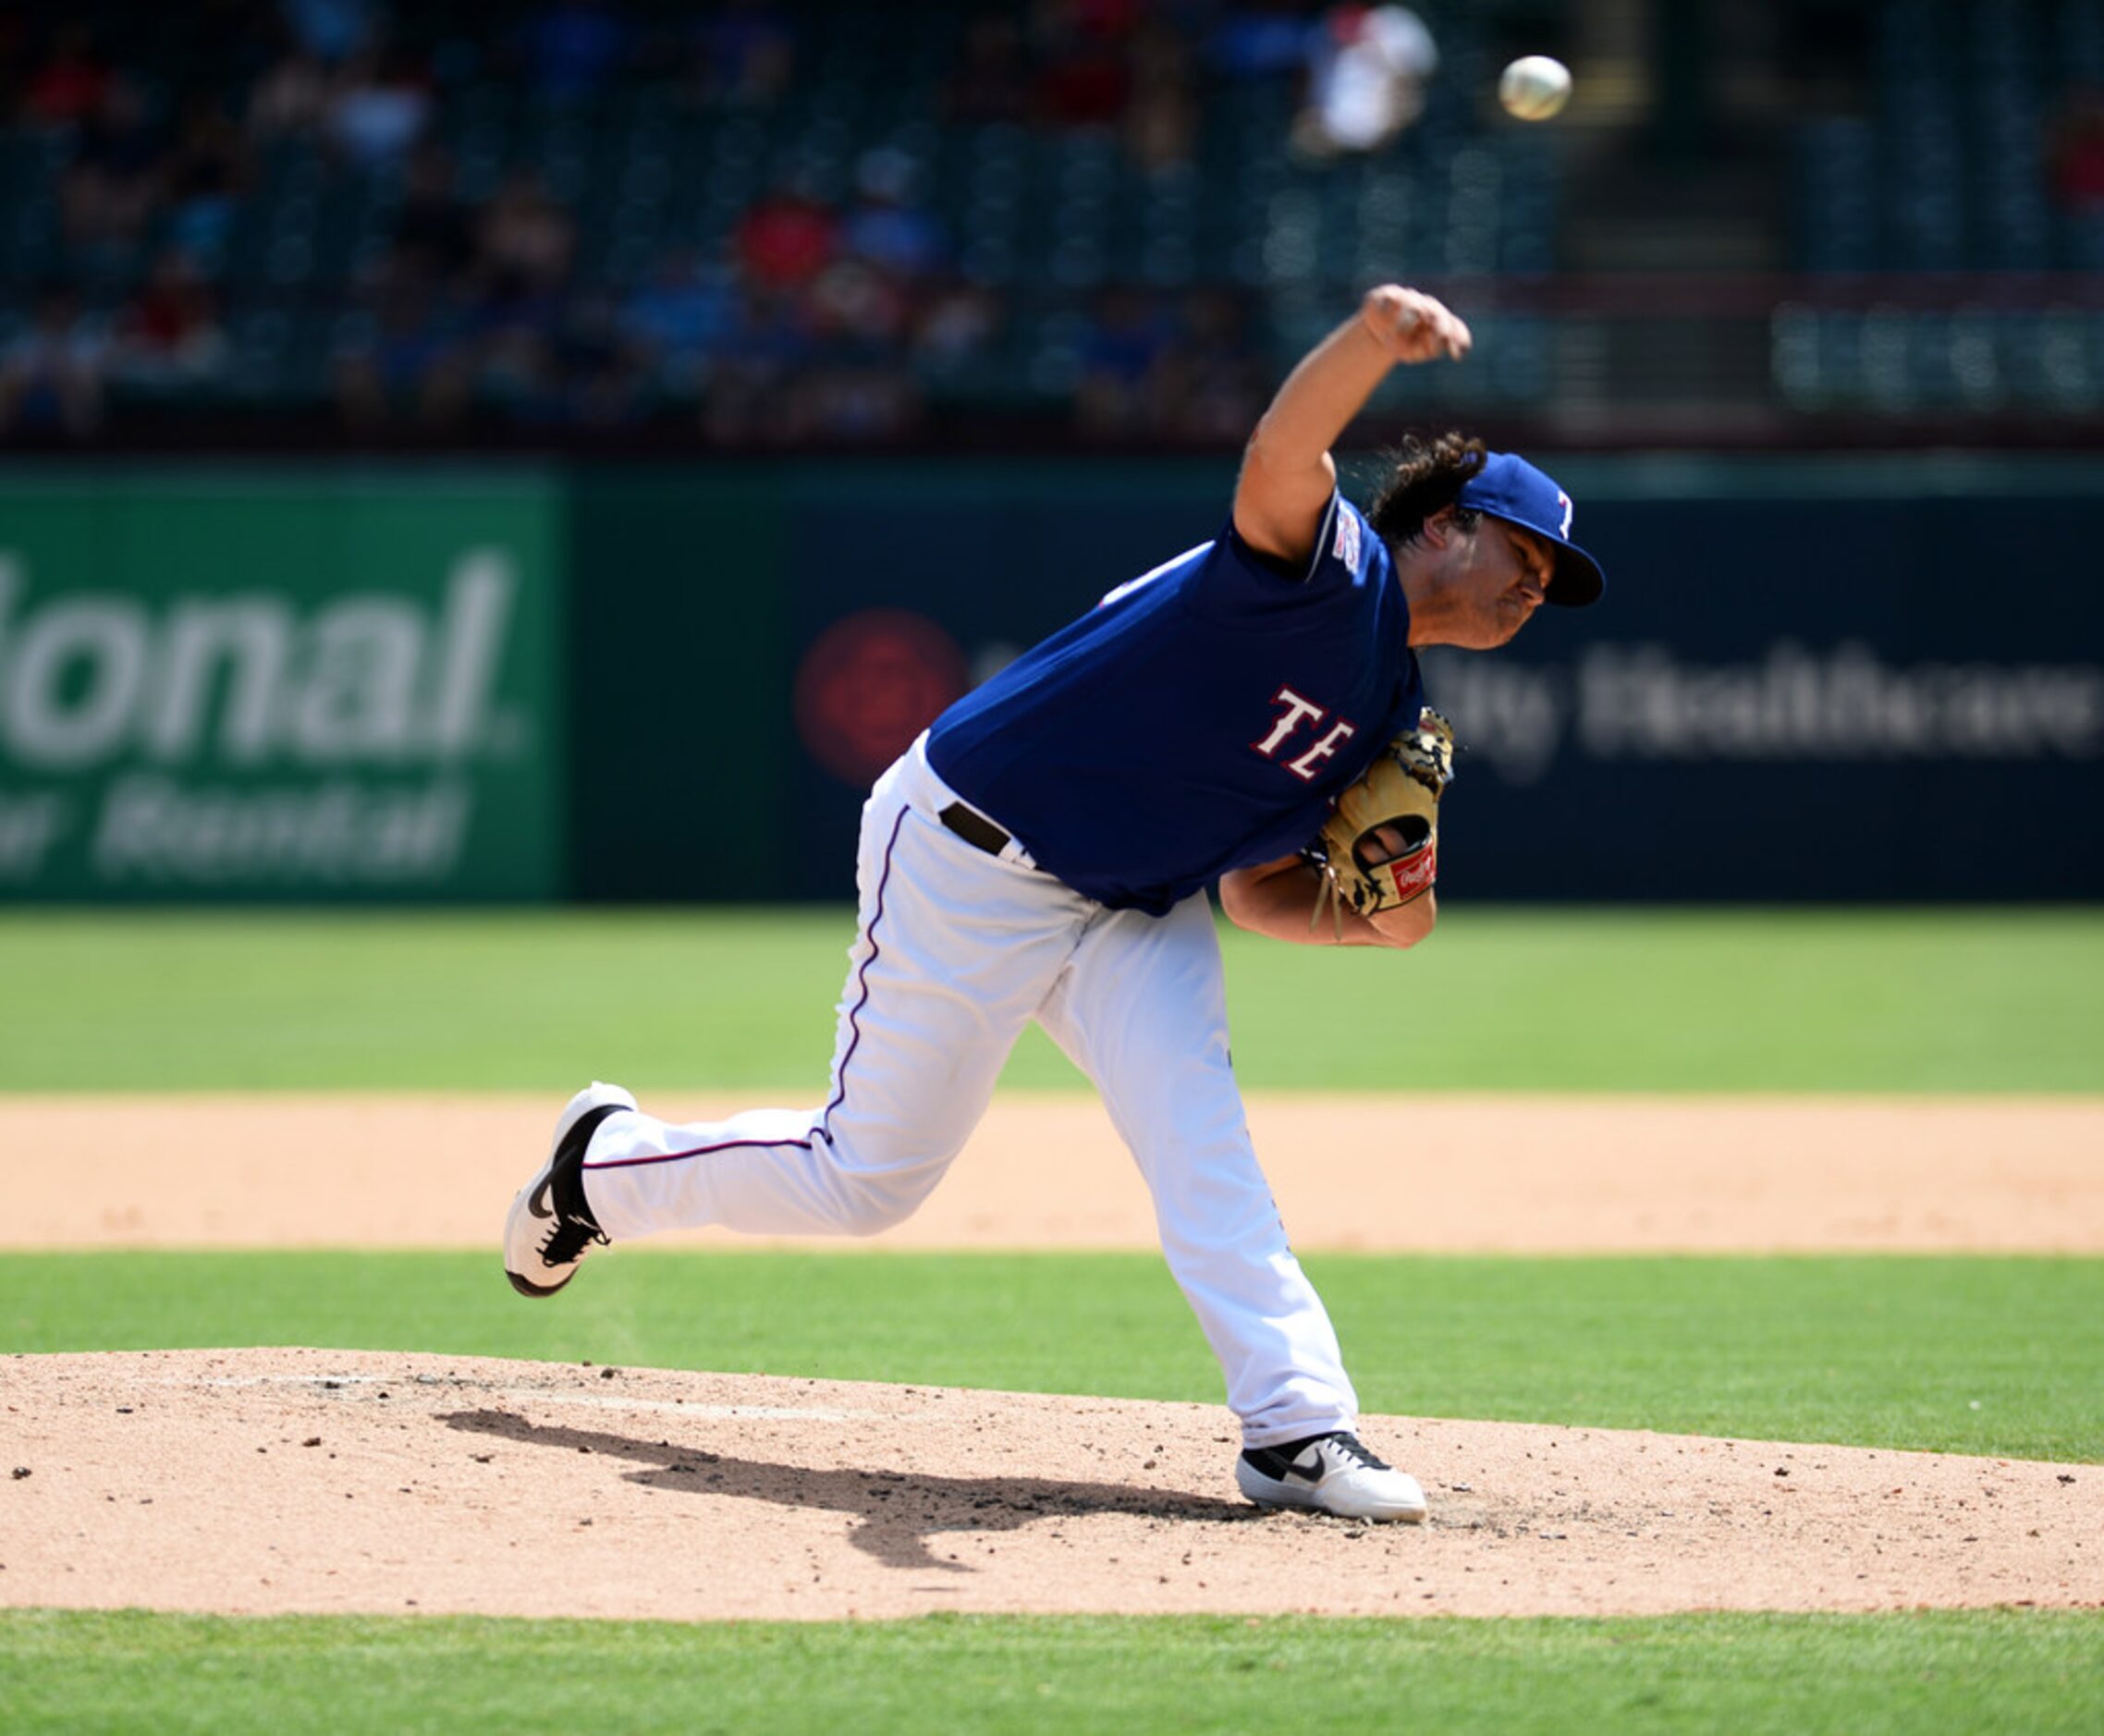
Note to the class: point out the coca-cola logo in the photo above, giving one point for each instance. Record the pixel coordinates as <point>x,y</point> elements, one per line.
<point>869,684</point>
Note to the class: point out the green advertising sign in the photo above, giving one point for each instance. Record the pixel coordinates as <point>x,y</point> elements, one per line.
<point>279,686</point>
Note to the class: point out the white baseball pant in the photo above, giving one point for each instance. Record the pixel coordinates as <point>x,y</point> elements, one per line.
<point>954,951</point>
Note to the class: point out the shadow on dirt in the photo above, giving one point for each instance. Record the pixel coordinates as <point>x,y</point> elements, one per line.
<point>897,1511</point>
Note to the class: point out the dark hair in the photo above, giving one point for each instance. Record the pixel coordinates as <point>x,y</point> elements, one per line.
<point>1426,476</point>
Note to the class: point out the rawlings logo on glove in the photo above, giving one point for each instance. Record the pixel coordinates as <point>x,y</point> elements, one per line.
<point>1379,848</point>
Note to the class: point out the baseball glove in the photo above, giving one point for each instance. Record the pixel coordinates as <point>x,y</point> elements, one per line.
<point>1379,848</point>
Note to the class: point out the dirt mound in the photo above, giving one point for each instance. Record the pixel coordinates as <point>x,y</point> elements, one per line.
<point>262,1481</point>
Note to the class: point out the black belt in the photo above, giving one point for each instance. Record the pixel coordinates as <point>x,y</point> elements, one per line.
<point>975,829</point>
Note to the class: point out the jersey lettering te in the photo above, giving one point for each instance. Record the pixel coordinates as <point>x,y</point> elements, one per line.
<point>1200,719</point>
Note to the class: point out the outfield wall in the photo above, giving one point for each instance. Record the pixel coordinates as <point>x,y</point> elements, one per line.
<point>1862,679</point>
<point>302,684</point>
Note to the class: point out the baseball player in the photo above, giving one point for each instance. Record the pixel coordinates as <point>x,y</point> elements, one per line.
<point>1250,713</point>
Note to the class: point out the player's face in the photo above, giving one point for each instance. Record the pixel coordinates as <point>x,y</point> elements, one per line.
<point>1499,578</point>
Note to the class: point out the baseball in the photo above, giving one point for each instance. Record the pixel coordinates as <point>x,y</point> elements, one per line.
<point>1535,87</point>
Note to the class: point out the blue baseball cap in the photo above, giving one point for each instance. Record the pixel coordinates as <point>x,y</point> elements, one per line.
<point>1509,487</point>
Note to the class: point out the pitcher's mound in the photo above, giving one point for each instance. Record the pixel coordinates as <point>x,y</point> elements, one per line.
<point>262,1481</point>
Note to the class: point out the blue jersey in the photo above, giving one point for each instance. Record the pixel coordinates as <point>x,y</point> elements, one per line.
<point>1200,719</point>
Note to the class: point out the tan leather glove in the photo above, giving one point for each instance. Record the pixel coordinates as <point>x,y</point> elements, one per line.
<point>1379,849</point>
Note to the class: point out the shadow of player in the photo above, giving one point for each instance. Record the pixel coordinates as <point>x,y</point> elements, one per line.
<point>897,1510</point>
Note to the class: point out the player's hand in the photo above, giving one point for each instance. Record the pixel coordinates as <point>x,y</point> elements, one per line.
<point>1412,327</point>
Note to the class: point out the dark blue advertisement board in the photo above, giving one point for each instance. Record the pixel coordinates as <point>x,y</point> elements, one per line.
<point>1848,680</point>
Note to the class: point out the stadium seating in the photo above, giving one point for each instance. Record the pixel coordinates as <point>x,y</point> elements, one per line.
<point>1045,217</point>
<point>1950,175</point>
<point>1941,176</point>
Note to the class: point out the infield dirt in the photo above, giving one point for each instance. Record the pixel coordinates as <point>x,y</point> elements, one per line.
<point>1505,1174</point>
<point>255,1481</point>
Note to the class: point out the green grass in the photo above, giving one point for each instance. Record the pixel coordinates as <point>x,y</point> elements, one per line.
<point>1976,1670</point>
<point>1989,1356</point>
<point>1499,999</point>
<point>1995,1356</point>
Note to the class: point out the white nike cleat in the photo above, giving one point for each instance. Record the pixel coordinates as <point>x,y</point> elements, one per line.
<point>1329,1473</point>
<point>550,1227</point>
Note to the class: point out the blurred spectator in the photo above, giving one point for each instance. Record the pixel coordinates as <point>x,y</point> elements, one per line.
<point>411,366</point>
<point>1081,76</point>
<point>747,53</point>
<point>786,238</point>
<point>52,375</point>
<point>1366,72</point>
<point>17,64</point>
<point>291,99</point>
<point>597,383</point>
<point>379,109</point>
<point>227,44</point>
<point>514,350</point>
<point>854,308</point>
<point>859,401</point>
<point>748,399</point>
<point>955,329</point>
<point>332,31</point>
<point>677,322</point>
<point>113,182</point>
<point>434,241</point>
<point>885,226</point>
<point>525,242</point>
<point>2078,153</point>
<point>858,387</point>
<point>72,83</point>
<point>573,48</point>
<point>204,175</point>
<point>1110,19</point>
<point>1210,384</point>
<point>1263,39</point>
<point>560,365</point>
<point>1161,127</point>
<point>1117,357</point>
<point>170,334</point>
<point>1197,378</point>
<point>990,83</point>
